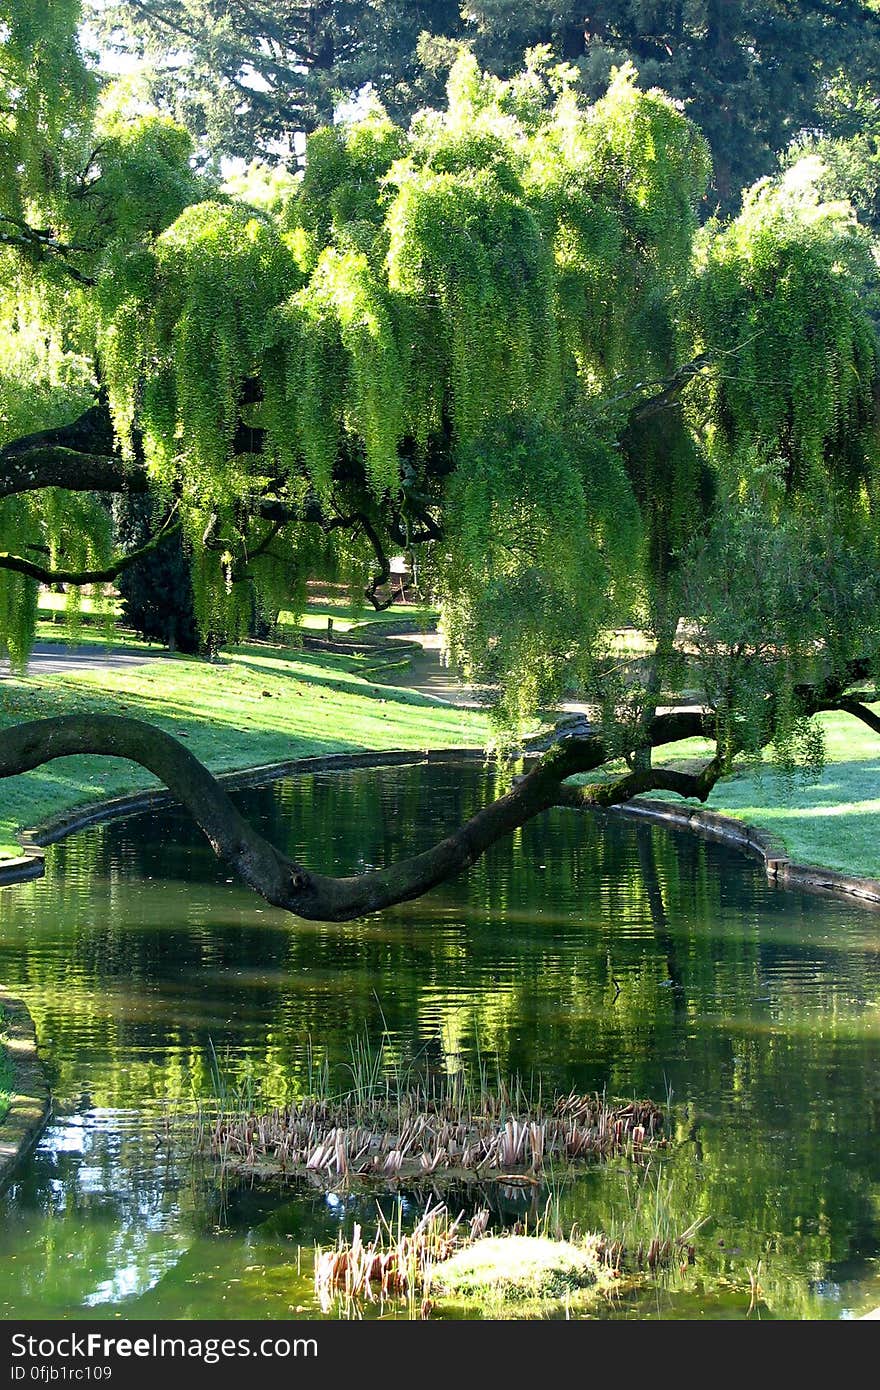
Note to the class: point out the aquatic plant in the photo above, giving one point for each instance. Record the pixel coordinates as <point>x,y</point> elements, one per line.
<point>424,1131</point>
<point>445,1258</point>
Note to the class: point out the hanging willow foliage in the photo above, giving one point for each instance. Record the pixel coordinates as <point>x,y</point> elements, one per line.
<point>500,332</point>
<point>219,272</point>
<point>779,308</point>
<point>530,574</point>
<point>18,594</point>
<point>616,188</point>
<point>340,326</point>
<point>70,531</point>
<point>47,101</point>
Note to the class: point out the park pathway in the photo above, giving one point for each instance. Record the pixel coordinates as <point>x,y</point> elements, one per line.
<point>57,658</point>
<point>428,675</point>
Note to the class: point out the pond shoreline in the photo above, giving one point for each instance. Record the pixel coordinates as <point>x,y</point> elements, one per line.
<point>31,1102</point>
<point>779,866</point>
<point>759,844</point>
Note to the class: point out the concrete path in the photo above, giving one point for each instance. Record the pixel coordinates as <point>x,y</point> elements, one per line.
<point>56,658</point>
<point>429,676</point>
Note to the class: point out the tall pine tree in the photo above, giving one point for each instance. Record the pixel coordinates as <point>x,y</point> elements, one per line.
<point>752,74</point>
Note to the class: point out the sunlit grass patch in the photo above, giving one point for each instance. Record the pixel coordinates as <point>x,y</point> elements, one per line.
<point>259,704</point>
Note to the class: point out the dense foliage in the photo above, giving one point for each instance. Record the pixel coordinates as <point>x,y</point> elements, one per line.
<point>752,74</point>
<point>500,339</point>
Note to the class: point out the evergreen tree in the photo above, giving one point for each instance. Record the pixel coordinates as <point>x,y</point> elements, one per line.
<point>247,77</point>
<point>752,74</point>
<point>156,590</point>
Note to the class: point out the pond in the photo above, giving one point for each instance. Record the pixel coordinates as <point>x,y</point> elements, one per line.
<point>584,952</point>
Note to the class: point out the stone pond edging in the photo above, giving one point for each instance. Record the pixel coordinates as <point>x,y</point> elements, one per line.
<point>758,843</point>
<point>30,1099</point>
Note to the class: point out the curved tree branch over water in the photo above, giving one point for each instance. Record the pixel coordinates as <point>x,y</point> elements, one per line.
<point>293,886</point>
<point>318,897</point>
<point>473,341</point>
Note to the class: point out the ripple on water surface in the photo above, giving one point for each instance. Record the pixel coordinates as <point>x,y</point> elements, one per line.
<point>581,953</point>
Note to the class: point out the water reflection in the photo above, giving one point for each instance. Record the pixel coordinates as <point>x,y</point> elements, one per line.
<point>590,954</point>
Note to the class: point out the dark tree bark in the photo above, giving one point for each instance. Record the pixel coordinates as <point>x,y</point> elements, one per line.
<point>80,457</point>
<point>289,885</point>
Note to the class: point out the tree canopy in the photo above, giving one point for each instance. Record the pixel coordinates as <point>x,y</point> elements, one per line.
<point>246,78</point>
<point>752,75</point>
<point>498,339</point>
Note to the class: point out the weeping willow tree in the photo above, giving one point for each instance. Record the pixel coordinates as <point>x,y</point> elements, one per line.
<point>496,340</point>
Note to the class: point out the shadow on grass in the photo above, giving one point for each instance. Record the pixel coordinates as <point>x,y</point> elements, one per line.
<point>233,723</point>
<point>832,823</point>
<point>841,785</point>
<point>356,685</point>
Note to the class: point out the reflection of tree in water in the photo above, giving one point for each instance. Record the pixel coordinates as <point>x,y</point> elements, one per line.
<point>586,952</point>
<point>665,939</point>
<point>102,1213</point>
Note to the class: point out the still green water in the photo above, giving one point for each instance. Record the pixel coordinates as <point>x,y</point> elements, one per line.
<point>586,953</point>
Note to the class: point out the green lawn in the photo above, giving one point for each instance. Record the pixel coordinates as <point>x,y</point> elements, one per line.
<point>260,704</point>
<point>92,634</point>
<point>833,822</point>
<point>51,606</point>
<point>346,616</point>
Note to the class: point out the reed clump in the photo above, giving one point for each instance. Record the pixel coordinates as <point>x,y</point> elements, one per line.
<point>420,1131</point>
<point>394,1265</point>
<point>443,1259</point>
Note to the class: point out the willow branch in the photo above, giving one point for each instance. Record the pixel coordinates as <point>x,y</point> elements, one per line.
<point>670,390</point>
<point>19,565</point>
<point>266,869</point>
<point>601,795</point>
<point>274,530</point>
<point>383,574</point>
<point>350,521</point>
<point>41,244</point>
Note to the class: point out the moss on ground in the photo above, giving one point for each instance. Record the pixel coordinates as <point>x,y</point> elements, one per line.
<point>510,1268</point>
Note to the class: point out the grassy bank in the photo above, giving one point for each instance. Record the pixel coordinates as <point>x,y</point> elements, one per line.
<point>833,821</point>
<point>260,704</point>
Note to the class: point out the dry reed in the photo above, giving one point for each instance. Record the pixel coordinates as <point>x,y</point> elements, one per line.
<point>415,1134</point>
